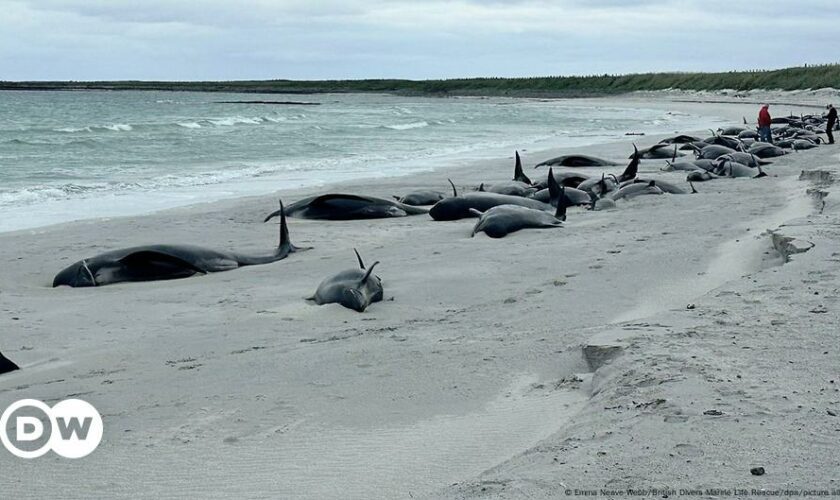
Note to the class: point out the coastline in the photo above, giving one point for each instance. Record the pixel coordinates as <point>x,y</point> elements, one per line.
<point>134,192</point>
<point>205,380</point>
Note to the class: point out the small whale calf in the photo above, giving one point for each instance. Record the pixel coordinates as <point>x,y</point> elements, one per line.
<point>353,288</point>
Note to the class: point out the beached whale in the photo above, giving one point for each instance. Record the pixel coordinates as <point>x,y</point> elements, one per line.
<point>458,207</point>
<point>765,150</point>
<point>353,288</point>
<point>747,159</point>
<point>421,197</point>
<point>732,130</point>
<point>6,365</point>
<point>713,151</point>
<point>568,179</point>
<point>729,168</point>
<point>636,189</point>
<point>665,186</point>
<point>348,207</point>
<point>502,220</point>
<point>165,262</point>
<point>600,187</point>
<point>573,196</point>
<point>700,176</point>
<point>577,161</point>
<point>729,142</point>
<point>521,185</point>
<point>680,139</point>
<point>685,166</point>
<point>659,152</point>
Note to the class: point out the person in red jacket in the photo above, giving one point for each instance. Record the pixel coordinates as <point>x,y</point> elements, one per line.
<point>764,121</point>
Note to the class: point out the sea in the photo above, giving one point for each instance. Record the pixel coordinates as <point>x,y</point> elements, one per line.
<point>71,155</point>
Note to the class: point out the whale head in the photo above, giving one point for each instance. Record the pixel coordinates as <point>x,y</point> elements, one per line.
<point>76,275</point>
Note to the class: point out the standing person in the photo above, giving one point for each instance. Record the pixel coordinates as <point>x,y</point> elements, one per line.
<point>829,125</point>
<point>764,122</point>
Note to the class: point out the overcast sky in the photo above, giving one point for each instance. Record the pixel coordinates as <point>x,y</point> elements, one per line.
<point>321,39</point>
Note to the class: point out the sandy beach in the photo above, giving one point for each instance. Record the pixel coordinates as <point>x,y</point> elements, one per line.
<point>673,343</point>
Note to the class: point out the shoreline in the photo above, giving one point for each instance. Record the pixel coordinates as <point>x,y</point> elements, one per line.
<point>125,203</point>
<point>206,381</point>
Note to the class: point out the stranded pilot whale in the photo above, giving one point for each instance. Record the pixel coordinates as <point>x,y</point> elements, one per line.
<point>502,220</point>
<point>459,207</point>
<point>164,262</point>
<point>354,288</point>
<point>348,207</point>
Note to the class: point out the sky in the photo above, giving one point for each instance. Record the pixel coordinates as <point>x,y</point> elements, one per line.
<point>420,39</point>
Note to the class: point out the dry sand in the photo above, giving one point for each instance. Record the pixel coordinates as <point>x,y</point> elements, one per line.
<point>522,367</point>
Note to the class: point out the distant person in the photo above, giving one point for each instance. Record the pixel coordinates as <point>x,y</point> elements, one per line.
<point>831,116</point>
<point>764,122</point>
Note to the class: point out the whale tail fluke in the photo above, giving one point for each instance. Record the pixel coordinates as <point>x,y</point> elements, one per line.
<point>632,168</point>
<point>368,273</point>
<point>7,365</point>
<point>359,257</point>
<point>285,246</point>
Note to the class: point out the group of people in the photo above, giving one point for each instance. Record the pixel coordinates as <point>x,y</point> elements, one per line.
<point>764,122</point>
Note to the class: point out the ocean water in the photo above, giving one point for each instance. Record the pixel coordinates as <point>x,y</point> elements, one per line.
<point>76,155</point>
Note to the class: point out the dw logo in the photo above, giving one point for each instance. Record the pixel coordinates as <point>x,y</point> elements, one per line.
<point>30,428</point>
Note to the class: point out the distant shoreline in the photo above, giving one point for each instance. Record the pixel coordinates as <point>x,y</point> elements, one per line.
<point>787,79</point>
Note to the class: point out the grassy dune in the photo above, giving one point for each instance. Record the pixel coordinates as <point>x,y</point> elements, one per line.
<point>812,77</point>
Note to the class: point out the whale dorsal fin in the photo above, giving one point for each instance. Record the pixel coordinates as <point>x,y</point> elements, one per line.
<point>454,191</point>
<point>560,213</point>
<point>518,174</point>
<point>481,187</point>
<point>361,263</point>
<point>367,274</point>
<point>632,168</point>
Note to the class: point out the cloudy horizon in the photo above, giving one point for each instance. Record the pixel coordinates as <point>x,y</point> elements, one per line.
<point>353,39</point>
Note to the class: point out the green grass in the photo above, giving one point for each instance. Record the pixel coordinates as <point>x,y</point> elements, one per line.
<point>813,77</point>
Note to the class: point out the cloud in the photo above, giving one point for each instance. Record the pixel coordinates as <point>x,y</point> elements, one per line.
<point>219,39</point>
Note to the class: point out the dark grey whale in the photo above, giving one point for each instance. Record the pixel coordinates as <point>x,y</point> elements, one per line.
<point>165,262</point>
<point>421,197</point>
<point>6,365</point>
<point>577,161</point>
<point>502,220</point>
<point>458,207</point>
<point>348,207</point>
<point>519,186</point>
<point>354,288</point>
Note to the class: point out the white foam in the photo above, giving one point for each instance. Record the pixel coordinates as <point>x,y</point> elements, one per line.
<point>408,126</point>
